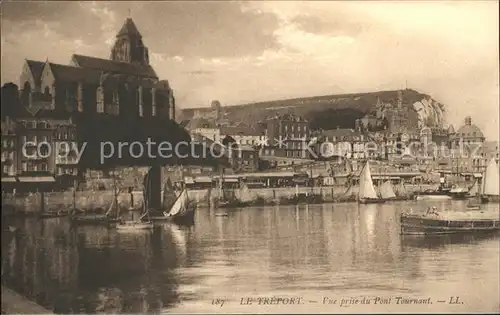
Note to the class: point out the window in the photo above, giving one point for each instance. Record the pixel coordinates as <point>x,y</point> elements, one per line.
<point>43,167</point>
<point>141,110</point>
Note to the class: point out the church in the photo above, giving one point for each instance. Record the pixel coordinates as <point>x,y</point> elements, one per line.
<point>89,102</point>
<point>124,85</point>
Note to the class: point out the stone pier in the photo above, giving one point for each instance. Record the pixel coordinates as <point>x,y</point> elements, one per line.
<point>14,303</point>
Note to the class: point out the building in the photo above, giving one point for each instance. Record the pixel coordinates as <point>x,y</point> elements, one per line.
<point>125,85</point>
<point>45,151</point>
<point>347,143</point>
<point>55,101</point>
<point>400,118</point>
<point>67,152</point>
<point>9,151</point>
<point>244,135</point>
<point>244,158</point>
<point>205,128</point>
<point>288,135</point>
<point>467,134</point>
<point>488,150</point>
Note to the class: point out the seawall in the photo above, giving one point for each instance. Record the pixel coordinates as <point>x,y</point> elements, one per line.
<point>87,200</point>
<point>14,303</point>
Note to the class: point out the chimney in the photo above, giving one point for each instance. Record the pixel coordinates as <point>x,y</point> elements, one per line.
<point>468,121</point>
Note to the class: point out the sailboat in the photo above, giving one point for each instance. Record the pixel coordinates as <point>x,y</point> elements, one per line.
<point>387,192</point>
<point>245,194</point>
<point>180,209</point>
<point>106,218</point>
<point>131,225</point>
<point>143,223</point>
<point>85,218</point>
<point>367,193</point>
<point>227,198</point>
<point>490,188</point>
<point>475,198</point>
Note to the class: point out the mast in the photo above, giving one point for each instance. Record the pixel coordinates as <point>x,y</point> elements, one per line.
<point>312,178</point>
<point>115,192</point>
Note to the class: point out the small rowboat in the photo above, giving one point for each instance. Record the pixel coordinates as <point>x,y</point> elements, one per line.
<point>133,226</point>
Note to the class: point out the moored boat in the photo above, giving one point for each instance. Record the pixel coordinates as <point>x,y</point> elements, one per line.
<point>387,191</point>
<point>448,222</point>
<point>181,212</point>
<point>442,193</point>
<point>84,218</point>
<point>53,214</point>
<point>490,187</point>
<point>367,193</point>
<point>459,193</point>
<point>133,225</point>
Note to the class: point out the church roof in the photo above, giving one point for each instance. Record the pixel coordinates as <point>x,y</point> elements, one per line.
<point>75,74</point>
<point>112,66</point>
<point>36,68</point>
<point>129,29</point>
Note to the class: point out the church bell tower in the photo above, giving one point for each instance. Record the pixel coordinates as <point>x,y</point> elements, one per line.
<point>128,46</point>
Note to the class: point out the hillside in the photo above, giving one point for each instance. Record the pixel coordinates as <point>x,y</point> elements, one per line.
<point>348,106</point>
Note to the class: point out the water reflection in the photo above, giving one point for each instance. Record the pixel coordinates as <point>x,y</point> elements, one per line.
<point>93,269</point>
<point>310,251</point>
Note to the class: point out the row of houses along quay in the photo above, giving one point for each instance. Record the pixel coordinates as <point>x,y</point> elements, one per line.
<point>93,99</point>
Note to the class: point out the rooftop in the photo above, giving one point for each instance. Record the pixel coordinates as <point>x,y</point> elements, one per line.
<point>129,29</point>
<point>112,66</point>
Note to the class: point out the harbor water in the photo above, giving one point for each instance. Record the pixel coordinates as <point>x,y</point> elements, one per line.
<point>330,258</point>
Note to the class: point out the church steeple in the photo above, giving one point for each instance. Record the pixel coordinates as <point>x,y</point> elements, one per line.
<point>128,46</point>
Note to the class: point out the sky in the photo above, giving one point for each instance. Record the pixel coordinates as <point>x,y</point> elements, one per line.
<point>241,52</point>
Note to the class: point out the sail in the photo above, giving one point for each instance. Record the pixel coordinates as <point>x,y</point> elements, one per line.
<point>169,195</point>
<point>490,179</point>
<point>180,204</point>
<point>386,191</point>
<point>401,190</point>
<point>366,188</point>
<point>245,194</point>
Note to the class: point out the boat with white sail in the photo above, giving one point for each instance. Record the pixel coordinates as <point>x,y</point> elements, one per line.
<point>448,222</point>
<point>367,192</point>
<point>490,187</point>
<point>181,212</point>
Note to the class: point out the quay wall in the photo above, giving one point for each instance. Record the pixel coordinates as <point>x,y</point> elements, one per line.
<point>14,303</point>
<point>87,200</point>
